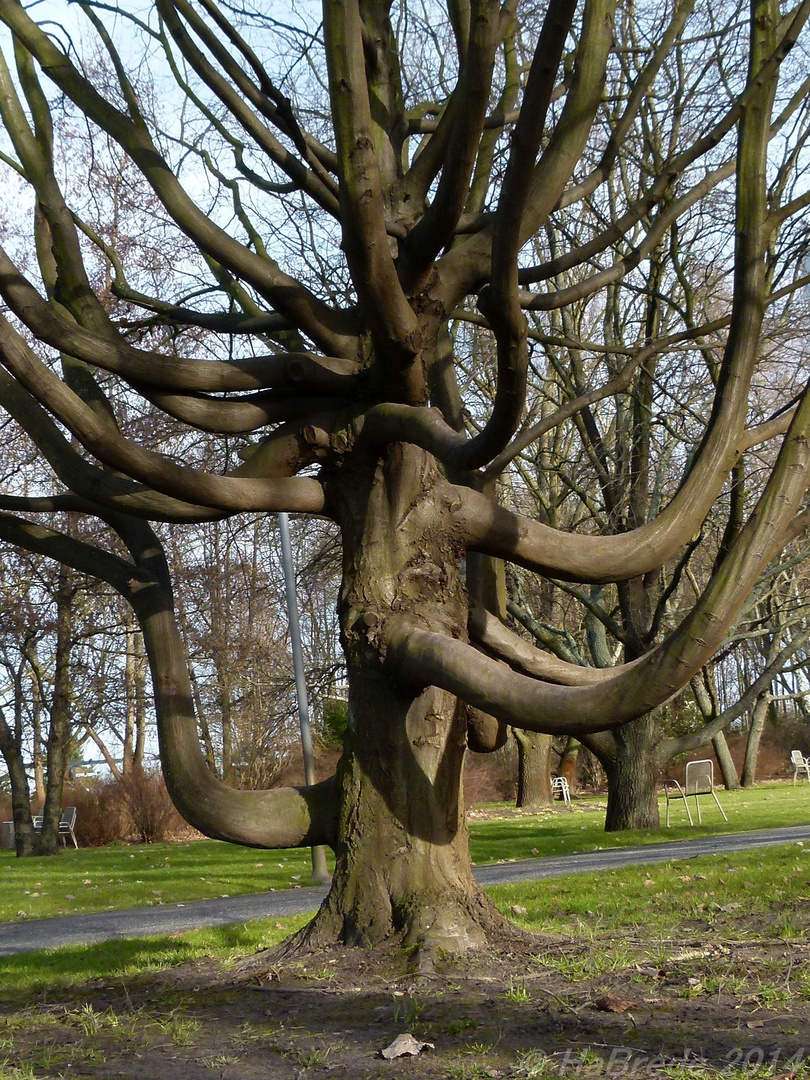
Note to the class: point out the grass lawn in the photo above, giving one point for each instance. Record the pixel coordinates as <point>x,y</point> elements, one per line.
<point>710,953</point>
<point>498,832</point>
<point>121,876</point>
<point>705,958</point>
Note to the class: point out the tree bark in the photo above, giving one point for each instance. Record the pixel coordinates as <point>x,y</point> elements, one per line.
<point>758,717</point>
<point>633,777</point>
<point>726,762</point>
<point>60,730</point>
<point>403,867</point>
<point>26,840</point>
<point>569,760</point>
<point>534,772</point>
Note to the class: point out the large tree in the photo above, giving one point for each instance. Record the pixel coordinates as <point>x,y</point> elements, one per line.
<point>353,206</point>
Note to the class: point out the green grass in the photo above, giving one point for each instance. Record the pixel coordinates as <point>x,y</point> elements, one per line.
<point>659,904</point>
<point>98,879</point>
<point>707,892</point>
<point>524,835</point>
<point>597,926</point>
<point>49,970</point>
<point>120,876</point>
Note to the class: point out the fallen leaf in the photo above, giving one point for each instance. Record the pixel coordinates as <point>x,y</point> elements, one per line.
<point>404,1045</point>
<point>611,1003</point>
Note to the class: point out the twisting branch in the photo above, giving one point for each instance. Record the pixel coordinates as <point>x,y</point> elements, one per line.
<point>291,370</point>
<point>365,240</point>
<point>423,657</point>
<point>277,818</point>
<point>222,492</point>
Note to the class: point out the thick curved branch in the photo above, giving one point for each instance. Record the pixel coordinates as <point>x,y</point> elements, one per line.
<point>501,302</point>
<point>469,113</point>
<point>487,631</point>
<point>96,489</point>
<point>321,374</point>
<point>362,205</point>
<point>425,658</point>
<point>281,817</point>
<point>230,493</point>
<point>570,134</point>
<point>58,248</point>
<point>611,558</point>
<point>468,264</point>
<point>236,416</point>
<point>276,818</point>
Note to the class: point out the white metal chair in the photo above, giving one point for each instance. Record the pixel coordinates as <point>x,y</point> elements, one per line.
<point>699,780</point>
<point>560,784</point>
<point>67,824</point>
<point>800,764</point>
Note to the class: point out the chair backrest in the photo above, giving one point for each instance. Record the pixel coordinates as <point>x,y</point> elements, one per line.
<point>68,817</point>
<point>699,777</point>
<point>796,757</point>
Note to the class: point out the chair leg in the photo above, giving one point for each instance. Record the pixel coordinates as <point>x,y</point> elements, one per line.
<point>719,807</point>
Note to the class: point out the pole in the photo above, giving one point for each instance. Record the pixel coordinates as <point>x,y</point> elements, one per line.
<point>320,873</point>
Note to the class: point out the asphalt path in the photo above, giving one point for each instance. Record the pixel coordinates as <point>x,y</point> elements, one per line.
<point>20,937</point>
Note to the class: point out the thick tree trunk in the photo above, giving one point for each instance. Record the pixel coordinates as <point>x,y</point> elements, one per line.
<point>60,731</point>
<point>758,717</point>
<point>403,868</point>
<point>534,772</point>
<point>26,840</point>
<point>726,762</point>
<point>569,761</point>
<point>633,777</point>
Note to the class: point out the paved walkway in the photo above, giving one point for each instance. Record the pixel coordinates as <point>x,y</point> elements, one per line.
<point>19,937</point>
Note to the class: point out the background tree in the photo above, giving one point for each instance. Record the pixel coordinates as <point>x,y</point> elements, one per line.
<point>416,191</point>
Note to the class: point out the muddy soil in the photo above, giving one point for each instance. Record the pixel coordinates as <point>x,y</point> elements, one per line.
<point>532,1007</point>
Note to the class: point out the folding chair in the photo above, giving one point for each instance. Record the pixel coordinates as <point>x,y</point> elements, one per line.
<point>799,763</point>
<point>699,780</point>
<point>67,823</point>
<point>560,784</point>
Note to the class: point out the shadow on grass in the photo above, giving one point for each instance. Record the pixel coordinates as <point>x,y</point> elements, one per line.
<point>30,975</point>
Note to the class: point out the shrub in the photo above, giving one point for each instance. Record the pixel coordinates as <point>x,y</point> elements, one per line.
<point>137,808</point>
<point>101,815</point>
<point>151,810</point>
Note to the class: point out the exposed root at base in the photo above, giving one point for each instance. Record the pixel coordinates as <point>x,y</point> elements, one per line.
<point>428,937</point>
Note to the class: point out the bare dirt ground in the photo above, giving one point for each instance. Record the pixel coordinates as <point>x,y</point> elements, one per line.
<point>527,1008</point>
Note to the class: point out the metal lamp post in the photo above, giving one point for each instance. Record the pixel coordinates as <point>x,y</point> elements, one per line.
<point>320,872</point>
